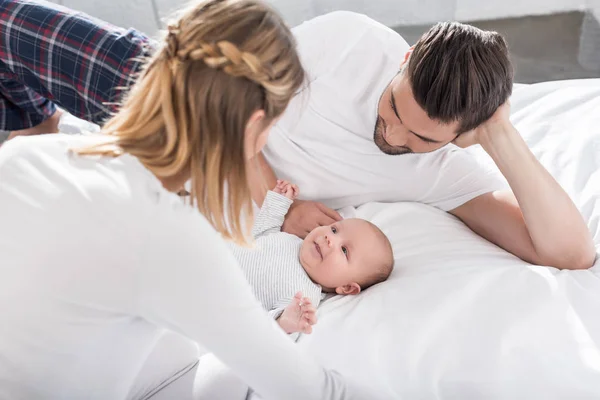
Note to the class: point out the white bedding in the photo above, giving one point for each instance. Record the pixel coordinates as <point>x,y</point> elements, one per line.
<point>462,319</point>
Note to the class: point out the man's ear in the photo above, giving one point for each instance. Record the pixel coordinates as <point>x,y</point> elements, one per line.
<point>351,288</point>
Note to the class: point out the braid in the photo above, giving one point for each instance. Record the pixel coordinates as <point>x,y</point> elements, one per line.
<point>172,43</point>
<point>223,55</point>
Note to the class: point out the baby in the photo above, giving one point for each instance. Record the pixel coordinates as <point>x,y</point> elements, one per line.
<point>344,258</point>
<point>290,276</point>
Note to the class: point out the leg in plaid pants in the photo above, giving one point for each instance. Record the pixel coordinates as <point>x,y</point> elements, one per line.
<point>50,55</point>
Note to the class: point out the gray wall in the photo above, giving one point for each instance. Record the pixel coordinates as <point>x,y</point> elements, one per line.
<point>146,14</point>
<point>549,39</point>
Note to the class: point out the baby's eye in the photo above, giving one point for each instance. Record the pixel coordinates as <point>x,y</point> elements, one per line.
<point>345,251</point>
<point>334,229</point>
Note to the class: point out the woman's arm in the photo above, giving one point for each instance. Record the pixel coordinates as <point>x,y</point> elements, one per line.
<point>184,271</point>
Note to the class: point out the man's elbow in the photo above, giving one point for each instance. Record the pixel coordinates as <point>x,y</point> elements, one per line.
<point>576,260</point>
<point>586,261</point>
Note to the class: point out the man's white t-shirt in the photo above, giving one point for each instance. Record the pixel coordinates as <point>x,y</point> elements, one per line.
<point>324,141</point>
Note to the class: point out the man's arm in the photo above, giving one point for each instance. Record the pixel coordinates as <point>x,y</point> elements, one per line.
<point>537,221</point>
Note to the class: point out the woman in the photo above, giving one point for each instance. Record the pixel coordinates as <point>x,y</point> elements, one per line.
<point>99,255</point>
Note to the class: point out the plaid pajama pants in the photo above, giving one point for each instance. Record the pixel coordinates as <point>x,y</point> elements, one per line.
<point>51,55</point>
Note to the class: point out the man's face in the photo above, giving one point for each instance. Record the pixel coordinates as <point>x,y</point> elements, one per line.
<point>403,126</point>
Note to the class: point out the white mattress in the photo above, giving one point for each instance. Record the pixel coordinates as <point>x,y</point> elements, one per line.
<point>462,319</point>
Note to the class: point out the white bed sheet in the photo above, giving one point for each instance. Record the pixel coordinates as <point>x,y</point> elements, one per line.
<point>462,319</point>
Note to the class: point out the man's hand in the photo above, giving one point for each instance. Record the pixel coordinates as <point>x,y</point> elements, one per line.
<point>537,221</point>
<point>299,316</point>
<point>304,216</point>
<point>500,117</point>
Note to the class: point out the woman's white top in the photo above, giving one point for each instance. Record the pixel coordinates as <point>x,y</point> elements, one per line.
<point>97,258</point>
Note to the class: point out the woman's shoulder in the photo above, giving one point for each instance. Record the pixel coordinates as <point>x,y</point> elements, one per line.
<point>48,168</point>
<point>26,159</point>
<point>40,148</point>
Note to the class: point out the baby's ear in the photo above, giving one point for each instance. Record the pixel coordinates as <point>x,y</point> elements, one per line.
<point>351,288</point>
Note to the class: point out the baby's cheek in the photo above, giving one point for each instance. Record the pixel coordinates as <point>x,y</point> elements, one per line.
<point>333,268</point>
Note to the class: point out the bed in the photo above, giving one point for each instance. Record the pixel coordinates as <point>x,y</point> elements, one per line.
<point>462,319</point>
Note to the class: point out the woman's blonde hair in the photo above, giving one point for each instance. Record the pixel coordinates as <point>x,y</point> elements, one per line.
<point>219,62</point>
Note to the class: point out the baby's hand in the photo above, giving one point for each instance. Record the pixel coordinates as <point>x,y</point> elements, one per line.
<point>299,316</point>
<point>286,189</point>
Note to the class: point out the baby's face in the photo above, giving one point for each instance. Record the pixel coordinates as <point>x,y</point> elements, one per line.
<point>341,253</point>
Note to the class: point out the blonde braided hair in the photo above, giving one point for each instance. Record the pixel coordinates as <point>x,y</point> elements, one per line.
<point>222,55</point>
<point>221,61</point>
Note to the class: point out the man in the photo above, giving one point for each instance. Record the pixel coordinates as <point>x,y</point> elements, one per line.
<point>370,106</point>
<point>352,135</point>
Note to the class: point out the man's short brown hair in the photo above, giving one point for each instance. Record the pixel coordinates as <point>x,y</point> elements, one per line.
<point>460,73</point>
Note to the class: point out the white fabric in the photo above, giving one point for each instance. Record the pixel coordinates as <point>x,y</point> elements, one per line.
<point>462,319</point>
<point>97,259</point>
<point>272,266</point>
<point>215,381</point>
<point>71,124</point>
<point>169,370</point>
<point>324,141</point>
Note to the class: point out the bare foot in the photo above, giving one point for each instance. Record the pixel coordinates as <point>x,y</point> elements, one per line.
<point>48,126</point>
